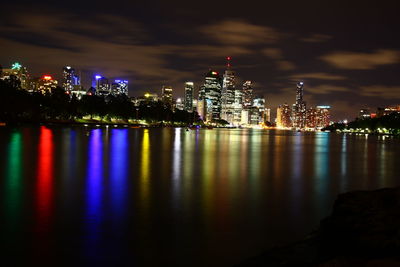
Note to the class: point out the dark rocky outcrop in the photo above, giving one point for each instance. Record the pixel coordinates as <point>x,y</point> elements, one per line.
<point>363,230</point>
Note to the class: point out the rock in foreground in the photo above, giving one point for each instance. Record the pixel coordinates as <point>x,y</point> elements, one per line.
<point>363,230</point>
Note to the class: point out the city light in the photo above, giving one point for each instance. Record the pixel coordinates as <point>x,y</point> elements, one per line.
<point>16,66</point>
<point>47,77</point>
<point>98,77</point>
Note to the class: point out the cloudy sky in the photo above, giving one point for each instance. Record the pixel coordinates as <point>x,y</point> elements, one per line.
<point>348,54</point>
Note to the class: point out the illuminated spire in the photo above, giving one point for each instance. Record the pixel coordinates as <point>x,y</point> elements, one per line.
<point>228,62</point>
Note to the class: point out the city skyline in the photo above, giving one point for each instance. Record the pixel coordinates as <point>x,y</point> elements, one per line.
<point>350,61</point>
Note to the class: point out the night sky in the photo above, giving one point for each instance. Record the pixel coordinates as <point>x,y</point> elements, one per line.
<point>347,54</point>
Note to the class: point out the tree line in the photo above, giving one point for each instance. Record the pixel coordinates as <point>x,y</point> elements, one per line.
<point>390,122</point>
<point>17,105</point>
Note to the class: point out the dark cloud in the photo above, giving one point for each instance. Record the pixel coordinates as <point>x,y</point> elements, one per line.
<point>316,38</point>
<point>317,76</point>
<point>238,32</point>
<point>362,61</point>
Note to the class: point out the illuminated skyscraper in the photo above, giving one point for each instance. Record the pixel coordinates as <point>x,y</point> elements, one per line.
<point>19,74</point>
<point>247,94</point>
<point>166,95</point>
<point>212,95</point>
<point>45,84</point>
<point>119,87</point>
<point>323,116</point>
<point>70,79</point>
<point>188,99</point>
<point>228,94</point>
<point>299,108</point>
<point>179,104</point>
<point>102,86</point>
<point>283,116</point>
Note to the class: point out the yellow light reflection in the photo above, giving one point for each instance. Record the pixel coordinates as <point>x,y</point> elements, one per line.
<point>145,169</point>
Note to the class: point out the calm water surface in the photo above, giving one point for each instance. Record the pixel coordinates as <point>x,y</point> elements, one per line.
<point>123,197</point>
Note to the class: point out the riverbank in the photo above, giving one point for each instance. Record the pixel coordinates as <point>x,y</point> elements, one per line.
<point>363,230</point>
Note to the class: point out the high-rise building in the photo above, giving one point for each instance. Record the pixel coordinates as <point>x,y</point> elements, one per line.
<point>188,99</point>
<point>283,116</point>
<point>102,86</point>
<point>119,87</point>
<point>237,106</point>
<point>299,108</point>
<point>311,118</point>
<point>323,116</point>
<point>212,96</point>
<point>247,94</point>
<point>166,95</point>
<point>70,79</point>
<point>44,84</point>
<point>258,110</point>
<point>19,74</point>
<point>228,94</point>
<point>179,104</point>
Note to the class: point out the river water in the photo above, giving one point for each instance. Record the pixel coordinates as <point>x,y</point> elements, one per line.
<point>77,196</point>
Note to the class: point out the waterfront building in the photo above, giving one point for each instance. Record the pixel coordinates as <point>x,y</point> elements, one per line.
<point>364,113</point>
<point>71,80</point>
<point>311,118</point>
<point>212,95</point>
<point>299,108</point>
<point>247,94</point>
<point>166,95</point>
<point>188,98</point>
<point>228,94</point>
<point>44,84</point>
<point>323,116</point>
<point>245,117</point>
<point>179,104</point>
<point>267,115</point>
<point>102,86</point>
<point>119,87</point>
<point>283,116</point>
<point>19,75</point>
<point>237,107</point>
<point>201,109</point>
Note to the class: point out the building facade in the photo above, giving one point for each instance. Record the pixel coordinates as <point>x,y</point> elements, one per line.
<point>119,87</point>
<point>283,116</point>
<point>188,98</point>
<point>166,95</point>
<point>102,86</point>
<point>228,94</point>
<point>299,108</point>
<point>247,94</point>
<point>212,96</point>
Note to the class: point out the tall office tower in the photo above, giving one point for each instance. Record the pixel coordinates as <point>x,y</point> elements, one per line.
<point>45,84</point>
<point>212,96</point>
<point>267,115</point>
<point>283,116</point>
<point>322,116</point>
<point>19,74</point>
<point>258,109</point>
<point>237,107</point>
<point>299,109</point>
<point>166,95</point>
<point>68,75</point>
<point>188,99</point>
<point>119,87</point>
<point>228,93</point>
<point>102,86</point>
<point>247,94</point>
<point>311,118</point>
<point>179,104</point>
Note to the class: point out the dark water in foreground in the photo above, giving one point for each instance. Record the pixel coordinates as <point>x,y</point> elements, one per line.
<point>77,196</point>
